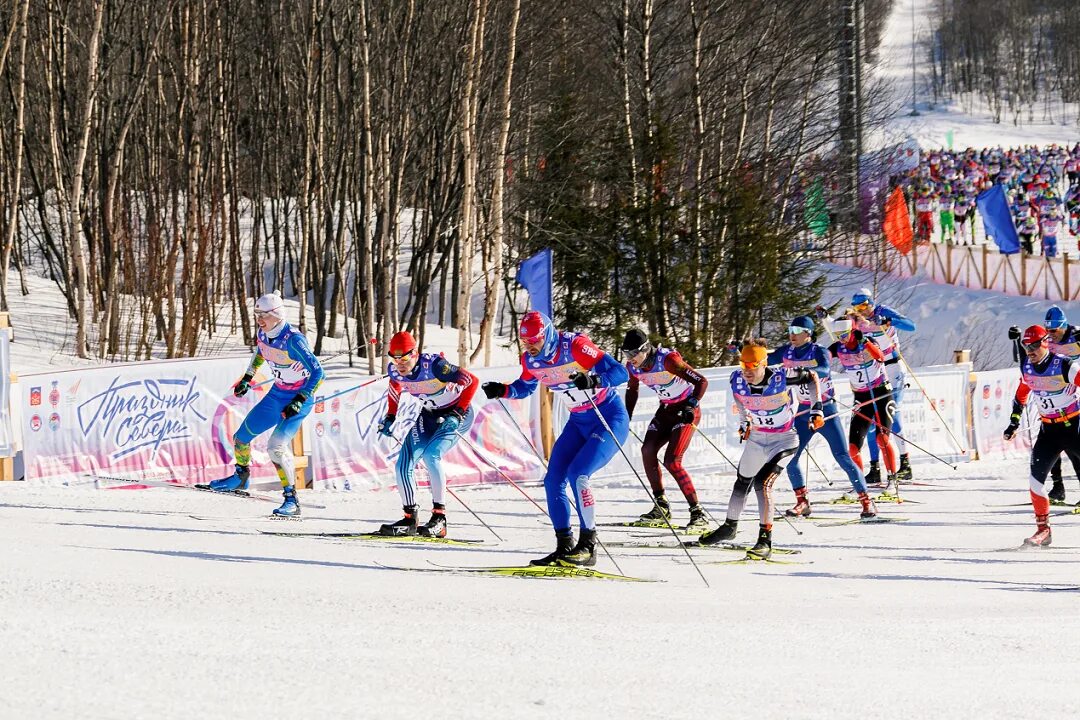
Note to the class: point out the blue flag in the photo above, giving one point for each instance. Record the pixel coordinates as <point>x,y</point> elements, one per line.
<point>534,274</point>
<point>994,209</point>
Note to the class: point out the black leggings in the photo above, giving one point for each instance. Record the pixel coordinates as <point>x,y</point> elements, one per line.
<point>870,404</point>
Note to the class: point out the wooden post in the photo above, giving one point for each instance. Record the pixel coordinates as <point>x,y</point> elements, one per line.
<point>547,436</point>
<point>960,357</point>
<point>985,268</point>
<point>300,460</point>
<point>1065,276</point>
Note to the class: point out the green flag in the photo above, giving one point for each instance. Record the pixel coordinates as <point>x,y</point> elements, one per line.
<point>949,138</point>
<point>817,214</point>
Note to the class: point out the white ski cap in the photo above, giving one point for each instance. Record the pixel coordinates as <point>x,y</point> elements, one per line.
<point>271,304</point>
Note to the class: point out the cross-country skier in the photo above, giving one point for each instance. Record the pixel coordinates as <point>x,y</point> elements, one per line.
<point>880,323</point>
<point>297,374</point>
<point>802,351</point>
<point>1064,340</point>
<point>680,389</point>
<point>445,392</point>
<point>1053,380</point>
<point>767,411</point>
<point>580,373</point>
<point>863,361</point>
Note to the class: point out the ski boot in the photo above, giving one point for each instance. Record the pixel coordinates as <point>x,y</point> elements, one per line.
<point>904,472</point>
<point>289,508</point>
<point>873,475</point>
<point>869,509</point>
<point>763,547</point>
<point>1041,538</point>
<point>436,524</point>
<point>721,534</point>
<point>661,511</point>
<point>404,526</point>
<point>584,553</point>
<point>1057,492</point>
<point>564,540</point>
<point>698,521</point>
<point>237,482</point>
<point>802,504</point>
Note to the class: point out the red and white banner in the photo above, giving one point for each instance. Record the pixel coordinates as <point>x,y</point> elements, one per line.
<point>347,452</point>
<point>171,420</point>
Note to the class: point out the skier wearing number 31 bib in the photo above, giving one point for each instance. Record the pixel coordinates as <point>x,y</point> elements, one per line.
<point>767,409</point>
<point>584,377</point>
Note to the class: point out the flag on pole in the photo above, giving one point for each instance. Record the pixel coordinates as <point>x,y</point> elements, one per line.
<point>997,220</point>
<point>534,274</point>
<point>817,213</point>
<point>897,225</point>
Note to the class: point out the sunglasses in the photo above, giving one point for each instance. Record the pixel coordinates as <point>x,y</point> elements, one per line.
<point>796,330</point>
<point>752,365</point>
<point>403,355</point>
<point>1032,347</point>
<point>629,353</point>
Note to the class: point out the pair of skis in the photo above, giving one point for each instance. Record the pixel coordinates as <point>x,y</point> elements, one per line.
<point>242,494</point>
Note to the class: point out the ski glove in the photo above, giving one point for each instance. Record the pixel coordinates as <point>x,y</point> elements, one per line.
<point>494,390</point>
<point>686,415</point>
<point>583,381</point>
<point>457,414</point>
<point>243,385</point>
<point>1014,333</point>
<point>1014,425</point>
<point>744,431</point>
<point>817,417</point>
<point>386,425</point>
<point>294,406</point>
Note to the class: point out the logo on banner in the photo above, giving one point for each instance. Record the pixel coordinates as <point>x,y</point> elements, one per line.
<point>35,396</point>
<point>54,422</point>
<point>141,414</point>
<point>35,423</point>
<point>54,394</point>
<point>335,427</point>
<point>320,429</point>
<point>320,405</point>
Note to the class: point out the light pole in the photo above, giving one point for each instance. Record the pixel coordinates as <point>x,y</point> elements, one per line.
<point>914,106</point>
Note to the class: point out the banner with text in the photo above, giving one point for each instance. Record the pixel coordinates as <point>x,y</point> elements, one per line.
<point>991,408</point>
<point>170,420</point>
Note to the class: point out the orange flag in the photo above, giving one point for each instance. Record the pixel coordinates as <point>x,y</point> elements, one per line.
<point>897,225</point>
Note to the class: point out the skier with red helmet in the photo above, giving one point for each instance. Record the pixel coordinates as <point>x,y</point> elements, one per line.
<point>1053,380</point>
<point>584,377</point>
<point>445,392</point>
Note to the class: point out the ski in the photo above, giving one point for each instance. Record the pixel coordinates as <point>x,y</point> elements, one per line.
<point>862,521</point>
<point>165,484</point>
<point>527,571</point>
<point>751,560</point>
<point>887,497</point>
<point>681,531</point>
<point>377,536</point>
<point>844,499</point>
<point>651,524</point>
<point>658,545</point>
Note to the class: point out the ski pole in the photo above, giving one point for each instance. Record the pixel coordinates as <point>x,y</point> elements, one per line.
<point>705,509</point>
<point>505,477</point>
<point>645,487</point>
<point>888,431</point>
<point>472,512</point>
<point>355,387</point>
<point>456,497</point>
<point>807,449</point>
<point>717,448</point>
<point>933,405</point>
<point>515,423</point>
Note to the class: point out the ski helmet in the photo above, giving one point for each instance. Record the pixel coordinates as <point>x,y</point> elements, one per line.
<point>402,344</point>
<point>862,296</point>
<point>270,304</point>
<point>1055,318</point>
<point>801,324</point>
<point>1035,336</point>
<point>536,326</point>
<point>636,341</point>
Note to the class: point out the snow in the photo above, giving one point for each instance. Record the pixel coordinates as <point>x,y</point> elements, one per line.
<point>120,604</point>
<point>930,127</point>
